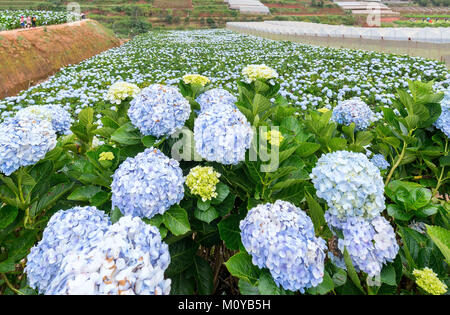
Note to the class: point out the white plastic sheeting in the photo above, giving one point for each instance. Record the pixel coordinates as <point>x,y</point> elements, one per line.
<point>426,34</point>
<point>248,6</point>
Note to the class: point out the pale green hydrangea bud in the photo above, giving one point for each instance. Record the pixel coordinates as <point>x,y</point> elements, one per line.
<point>429,281</point>
<point>202,181</point>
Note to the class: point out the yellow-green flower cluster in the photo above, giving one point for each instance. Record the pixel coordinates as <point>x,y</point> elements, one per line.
<point>120,91</point>
<point>274,137</point>
<point>195,79</point>
<point>202,181</point>
<point>254,72</point>
<point>429,281</point>
<point>106,156</point>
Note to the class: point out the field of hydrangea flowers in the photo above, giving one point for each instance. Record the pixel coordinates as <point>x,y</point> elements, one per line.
<point>206,162</point>
<point>10,19</point>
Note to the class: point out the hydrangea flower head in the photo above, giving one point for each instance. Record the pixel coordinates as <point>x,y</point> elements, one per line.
<point>274,137</point>
<point>443,122</point>
<point>380,161</point>
<point>222,136</point>
<point>354,111</point>
<point>147,184</point>
<point>202,181</point>
<point>349,183</point>
<point>24,142</point>
<point>252,73</point>
<point>120,91</point>
<point>129,260</point>
<point>370,242</point>
<point>428,280</point>
<point>159,110</point>
<point>59,117</point>
<point>280,237</point>
<point>216,99</point>
<point>196,79</point>
<point>67,230</point>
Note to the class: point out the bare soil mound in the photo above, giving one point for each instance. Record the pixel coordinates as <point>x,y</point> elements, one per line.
<point>31,55</point>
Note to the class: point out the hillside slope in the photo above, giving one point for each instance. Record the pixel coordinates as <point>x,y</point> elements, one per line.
<point>28,56</point>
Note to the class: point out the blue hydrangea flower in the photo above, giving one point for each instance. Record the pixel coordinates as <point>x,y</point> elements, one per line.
<point>280,237</point>
<point>24,142</point>
<point>159,110</point>
<point>130,259</point>
<point>443,122</point>
<point>370,243</point>
<point>349,183</point>
<point>216,99</point>
<point>67,230</point>
<point>147,184</point>
<point>380,161</point>
<point>354,111</point>
<point>222,136</point>
<point>58,116</point>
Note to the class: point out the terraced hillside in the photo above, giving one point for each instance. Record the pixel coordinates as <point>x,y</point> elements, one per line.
<point>128,17</point>
<point>131,17</point>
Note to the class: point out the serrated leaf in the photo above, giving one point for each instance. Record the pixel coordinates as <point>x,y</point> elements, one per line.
<point>245,288</point>
<point>176,220</point>
<point>84,193</point>
<point>204,276</point>
<point>440,237</point>
<point>351,271</point>
<point>230,233</point>
<point>7,215</point>
<point>240,266</point>
<point>207,215</point>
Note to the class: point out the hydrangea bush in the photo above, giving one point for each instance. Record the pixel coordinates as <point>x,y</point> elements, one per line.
<point>373,191</point>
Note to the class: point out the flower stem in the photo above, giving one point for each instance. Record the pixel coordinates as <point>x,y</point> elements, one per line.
<point>11,286</point>
<point>400,158</point>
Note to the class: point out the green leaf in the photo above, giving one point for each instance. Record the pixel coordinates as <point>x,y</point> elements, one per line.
<point>230,233</point>
<point>127,135</point>
<point>204,276</point>
<point>317,216</point>
<point>245,288</point>
<point>440,237</point>
<point>183,283</point>
<point>307,148</point>
<point>388,275</point>
<point>351,271</point>
<point>99,198</point>
<point>115,215</point>
<point>324,287</point>
<point>337,144</point>
<point>363,138</point>
<point>267,286</point>
<point>208,215</point>
<point>176,220</point>
<point>181,256</point>
<point>398,213</point>
<point>222,193</point>
<point>148,141</point>
<point>240,265</point>
<point>49,199</point>
<point>340,277</point>
<point>84,193</point>
<point>7,215</point>
<point>203,205</point>
<point>227,205</point>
